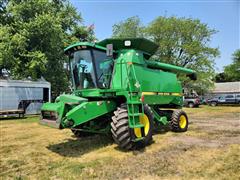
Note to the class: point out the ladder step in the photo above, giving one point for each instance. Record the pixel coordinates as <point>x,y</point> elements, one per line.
<point>135,114</point>
<point>134,102</point>
<point>137,126</point>
<point>138,139</point>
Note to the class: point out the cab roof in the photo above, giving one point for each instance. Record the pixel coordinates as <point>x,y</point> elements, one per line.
<point>142,44</point>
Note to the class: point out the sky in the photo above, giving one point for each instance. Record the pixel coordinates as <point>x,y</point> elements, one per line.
<point>222,15</point>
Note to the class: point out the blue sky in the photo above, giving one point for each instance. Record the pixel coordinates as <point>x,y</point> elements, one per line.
<point>223,16</point>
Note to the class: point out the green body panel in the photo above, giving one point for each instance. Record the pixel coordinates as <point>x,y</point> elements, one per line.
<point>135,80</point>
<point>88,111</point>
<point>71,99</point>
<point>58,108</point>
<point>161,119</point>
<point>163,99</point>
<point>132,67</point>
<point>52,106</point>
<point>152,80</point>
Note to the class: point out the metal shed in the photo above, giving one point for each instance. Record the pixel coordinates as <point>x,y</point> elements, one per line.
<point>12,92</point>
<point>226,88</point>
<point>223,89</point>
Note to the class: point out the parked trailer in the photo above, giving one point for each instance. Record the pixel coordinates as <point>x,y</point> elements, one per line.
<point>20,97</point>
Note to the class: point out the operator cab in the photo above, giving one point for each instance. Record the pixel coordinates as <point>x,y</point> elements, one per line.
<point>89,65</point>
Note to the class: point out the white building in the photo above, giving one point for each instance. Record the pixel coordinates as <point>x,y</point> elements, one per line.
<point>223,89</point>
<point>226,88</point>
<point>12,92</point>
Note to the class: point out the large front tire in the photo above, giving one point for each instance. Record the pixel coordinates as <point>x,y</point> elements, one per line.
<point>123,135</point>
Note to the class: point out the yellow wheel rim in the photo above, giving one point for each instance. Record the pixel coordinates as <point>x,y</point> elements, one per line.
<point>145,121</point>
<point>182,121</point>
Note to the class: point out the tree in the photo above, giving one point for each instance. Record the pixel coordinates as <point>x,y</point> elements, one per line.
<point>182,42</point>
<point>185,42</point>
<point>33,34</point>
<point>220,77</point>
<point>3,15</point>
<point>232,71</point>
<point>129,28</point>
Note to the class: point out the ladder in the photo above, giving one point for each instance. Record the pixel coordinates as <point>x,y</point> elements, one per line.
<point>134,103</point>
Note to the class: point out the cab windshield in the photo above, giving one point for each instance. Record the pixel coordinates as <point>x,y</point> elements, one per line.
<point>90,69</point>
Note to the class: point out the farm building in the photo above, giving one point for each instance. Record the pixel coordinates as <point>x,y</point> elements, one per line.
<point>15,93</point>
<point>225,88</point>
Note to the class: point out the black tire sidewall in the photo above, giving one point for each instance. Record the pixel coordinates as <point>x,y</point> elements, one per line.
<point>186,127</point>
<point>175,121</point>
<point>120,116</point>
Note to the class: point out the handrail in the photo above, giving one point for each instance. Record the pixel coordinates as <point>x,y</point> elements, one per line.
<point>134,73</point>
<point>130,89</point>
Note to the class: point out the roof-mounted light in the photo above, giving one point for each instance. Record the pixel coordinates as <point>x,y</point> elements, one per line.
<point>127,43</point>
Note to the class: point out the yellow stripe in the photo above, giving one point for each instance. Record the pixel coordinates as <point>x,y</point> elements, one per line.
<point>162,93</point>
<point>149,93</point>
<point>177,94</point>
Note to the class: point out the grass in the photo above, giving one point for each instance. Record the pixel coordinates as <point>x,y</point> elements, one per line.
<point>208,150</point>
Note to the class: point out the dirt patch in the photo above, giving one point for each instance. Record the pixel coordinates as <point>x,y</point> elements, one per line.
<point>213,131</point>
<point>196,141</point>
<point>205,142</point>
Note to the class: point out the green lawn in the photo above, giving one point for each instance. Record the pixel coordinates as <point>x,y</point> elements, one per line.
<point>210,149</point>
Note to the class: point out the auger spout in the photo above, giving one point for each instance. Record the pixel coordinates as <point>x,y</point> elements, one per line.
<point>171,68</point>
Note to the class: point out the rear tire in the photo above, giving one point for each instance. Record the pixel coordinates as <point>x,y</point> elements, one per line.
<point>179,121</point>
<point>123,135</point>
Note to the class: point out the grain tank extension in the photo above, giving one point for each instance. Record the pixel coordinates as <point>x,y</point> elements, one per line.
<point>119,90</point>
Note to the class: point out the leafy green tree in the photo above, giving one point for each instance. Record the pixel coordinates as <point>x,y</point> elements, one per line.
<point>232,71</point>
<point>33,34</point>
<point>220,77</point>
<point>130,28</point>
<point>3,15</point>
<point>185,42</point>
<point>182,42</point>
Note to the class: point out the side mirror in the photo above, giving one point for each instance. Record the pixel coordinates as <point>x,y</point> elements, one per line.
<point>109,50</point>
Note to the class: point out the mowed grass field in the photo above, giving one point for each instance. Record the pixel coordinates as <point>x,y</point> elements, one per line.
<point>210,149</point>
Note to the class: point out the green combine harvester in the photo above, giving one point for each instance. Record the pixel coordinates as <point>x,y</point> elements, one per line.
<point>119,90</point>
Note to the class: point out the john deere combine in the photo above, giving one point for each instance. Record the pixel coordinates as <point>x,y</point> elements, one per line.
<point>119,90</point>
